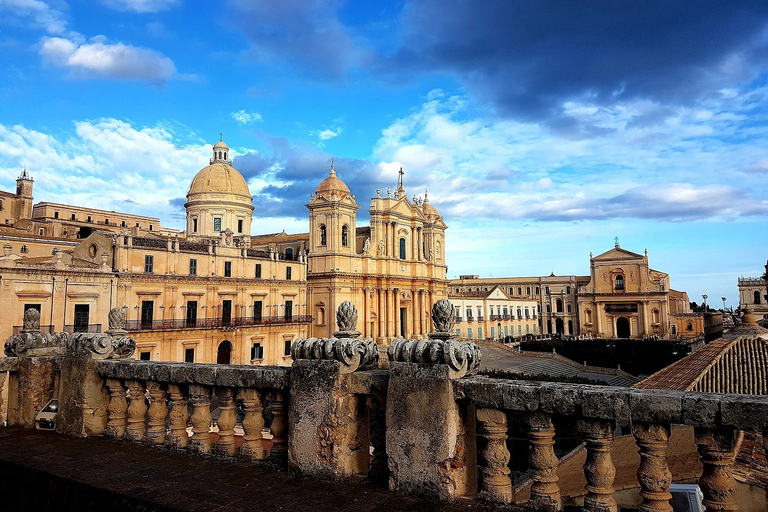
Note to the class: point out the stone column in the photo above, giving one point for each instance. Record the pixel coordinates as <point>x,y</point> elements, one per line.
<point>599,470</point>
<point>415,314</point>
<point>226,423</point>
<point>545,493</point>
<point>179,414</point>
<point>365,313</point>
<point>329,424</point>
<point>137,411</point>
<point>200,396</point>
<point>118,406</point>
<point>390,317</point>
<point>494,456</point>
<point>253,423</point>
<point>157,413</point>
<point>396,300</point>
<point>717,450</point>
<point>381,314</point>
<point>653,474</point>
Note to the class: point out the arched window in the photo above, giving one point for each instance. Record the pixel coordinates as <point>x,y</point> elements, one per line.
<point>24,248</point>
<point>588,316</point>
<point>619,283</point>
<point>402,248</point>
<point>323,235</point>
<point>289,254</point>
<point>219,155</point>
<point>757,298</point>
<point>225,155</point>
<point>655,315</point>
<point>559,306</point>
<point>320,315</point>
<point>674,329</point>
<point>568,308</point>
<point>690,326</point>
<point>345,236</point>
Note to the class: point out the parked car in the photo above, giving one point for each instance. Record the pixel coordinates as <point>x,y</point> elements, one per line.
<point>46,418</point>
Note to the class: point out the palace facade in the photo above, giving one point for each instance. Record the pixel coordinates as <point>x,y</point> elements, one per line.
<point>214,292</point>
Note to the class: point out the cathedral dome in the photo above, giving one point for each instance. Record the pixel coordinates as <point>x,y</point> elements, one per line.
<point>332,185</point>
<point>220,177</point>
<point>427,207</point>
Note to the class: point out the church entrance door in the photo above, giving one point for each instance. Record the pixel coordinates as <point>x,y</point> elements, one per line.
<point>622,327</point>
<point>224,354</point>
<point>559,326</point>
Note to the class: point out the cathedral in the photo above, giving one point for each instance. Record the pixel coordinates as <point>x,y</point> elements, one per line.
<point>215,293</point>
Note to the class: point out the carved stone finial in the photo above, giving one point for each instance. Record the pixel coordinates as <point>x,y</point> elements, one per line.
<point>346,319</point>
<point>353,354</point>
<point>444,318</point>
<point>116,319</point>
<point>31,321</point>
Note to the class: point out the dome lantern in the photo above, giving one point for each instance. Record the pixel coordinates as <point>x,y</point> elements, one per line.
<point>221,152</point>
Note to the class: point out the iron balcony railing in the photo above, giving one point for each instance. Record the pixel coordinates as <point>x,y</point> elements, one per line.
<point>91,328</point>
<point>211,323</point>
<point>45,329</point>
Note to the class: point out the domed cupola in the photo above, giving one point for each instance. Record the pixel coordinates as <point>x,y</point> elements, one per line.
<point>332,187</point>
<point>218,198</point>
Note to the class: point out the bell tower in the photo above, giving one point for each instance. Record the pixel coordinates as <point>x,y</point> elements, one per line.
<point>24,197</point>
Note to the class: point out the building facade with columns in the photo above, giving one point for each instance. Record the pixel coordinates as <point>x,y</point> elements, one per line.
<point>214,292</point>
<point>753,294</point>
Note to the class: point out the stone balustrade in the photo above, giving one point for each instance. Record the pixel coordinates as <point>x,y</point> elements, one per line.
<point>432,427</point>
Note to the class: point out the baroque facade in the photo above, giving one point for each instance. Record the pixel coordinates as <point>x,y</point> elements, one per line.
<point>621,298</point>
<point>753,294</point>
<point>214,292</point>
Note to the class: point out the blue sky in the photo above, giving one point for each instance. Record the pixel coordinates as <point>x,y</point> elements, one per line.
<point>541,129</point>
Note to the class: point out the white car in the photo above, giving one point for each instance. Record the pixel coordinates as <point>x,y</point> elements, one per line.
<point>46,418</point>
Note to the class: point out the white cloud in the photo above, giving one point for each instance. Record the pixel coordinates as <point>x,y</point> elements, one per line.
<point>329,134</point>
<point>102,165</point>
<point>243,117</point>
<point>639,161</point>
<point>36,12</point>
<point>100,59</point>
<point>141,6</point>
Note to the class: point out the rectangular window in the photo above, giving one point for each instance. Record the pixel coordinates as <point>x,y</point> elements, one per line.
<point>458,333</point>
<point>538,290</point>
<point>257,351</point>
<point>493,332</point>
<point>226,312</point>
<point>42,231</point>
<point>191,313</point>
<point>288,273</point>
<point>122,224</point>
<point>288,310</point>
<point>145,356</point>
<point>568,290</point>
<point>469,333</point>
<point>546,290</point>
<point>73,217</point>
<point>137,224</point>
<point>82,313</point>
<point>217,224</point>
<point>506,330</point>
<point>479,333</point>
<point>89,218</point>
<point>469,312</point>
<point>519,329</point>
<point>149,263</point>
<point>527,290</point>
<point>192,266</point>
<point>287,348</point>
<point>402,248</point>
<point>106,221</point>
<point>227,269</point>
<point>257,311</point>
<point>150,227</point>
<point>239,225</point>
<point>258,270</point>
<point>55,215</point>
<point>194,225</point>
<point>147,313</point>
<point>189,355</point>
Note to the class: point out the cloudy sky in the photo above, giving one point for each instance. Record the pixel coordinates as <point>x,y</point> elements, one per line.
<point>541,130</point>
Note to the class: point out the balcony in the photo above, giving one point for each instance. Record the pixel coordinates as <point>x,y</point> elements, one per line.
<point>214,323</point>
<point>90,328</point>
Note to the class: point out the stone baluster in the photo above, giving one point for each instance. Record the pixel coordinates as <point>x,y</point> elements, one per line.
<point>279,428</point>
<point>545,493</point>
<point>226,423</point>
<point>494,456</point>
<point>136,429</point>
<point>717,450</point>
<point>599,470</point>
<point>118,405</point>
<point>200,397</point>
<point>158,412</point>
<point>179,414</point>
<point>653,474</point>
<point>253,424</point>
<point>379,468</point>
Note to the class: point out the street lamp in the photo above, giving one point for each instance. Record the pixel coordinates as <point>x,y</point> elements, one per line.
<point>704,296</point>
<point>723,299</point>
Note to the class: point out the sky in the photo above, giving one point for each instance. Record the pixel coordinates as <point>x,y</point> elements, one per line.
<point>541,130</point>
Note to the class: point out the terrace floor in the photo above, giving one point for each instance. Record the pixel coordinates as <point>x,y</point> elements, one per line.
<point>44,471</point>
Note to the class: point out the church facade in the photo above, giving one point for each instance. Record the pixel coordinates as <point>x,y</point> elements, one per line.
<point>214,292</point>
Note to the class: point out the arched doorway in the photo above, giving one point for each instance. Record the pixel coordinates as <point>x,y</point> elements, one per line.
<point>224,354</point>
<point>560,326</point>
<point>549,326</point>
<point>622,327</point>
